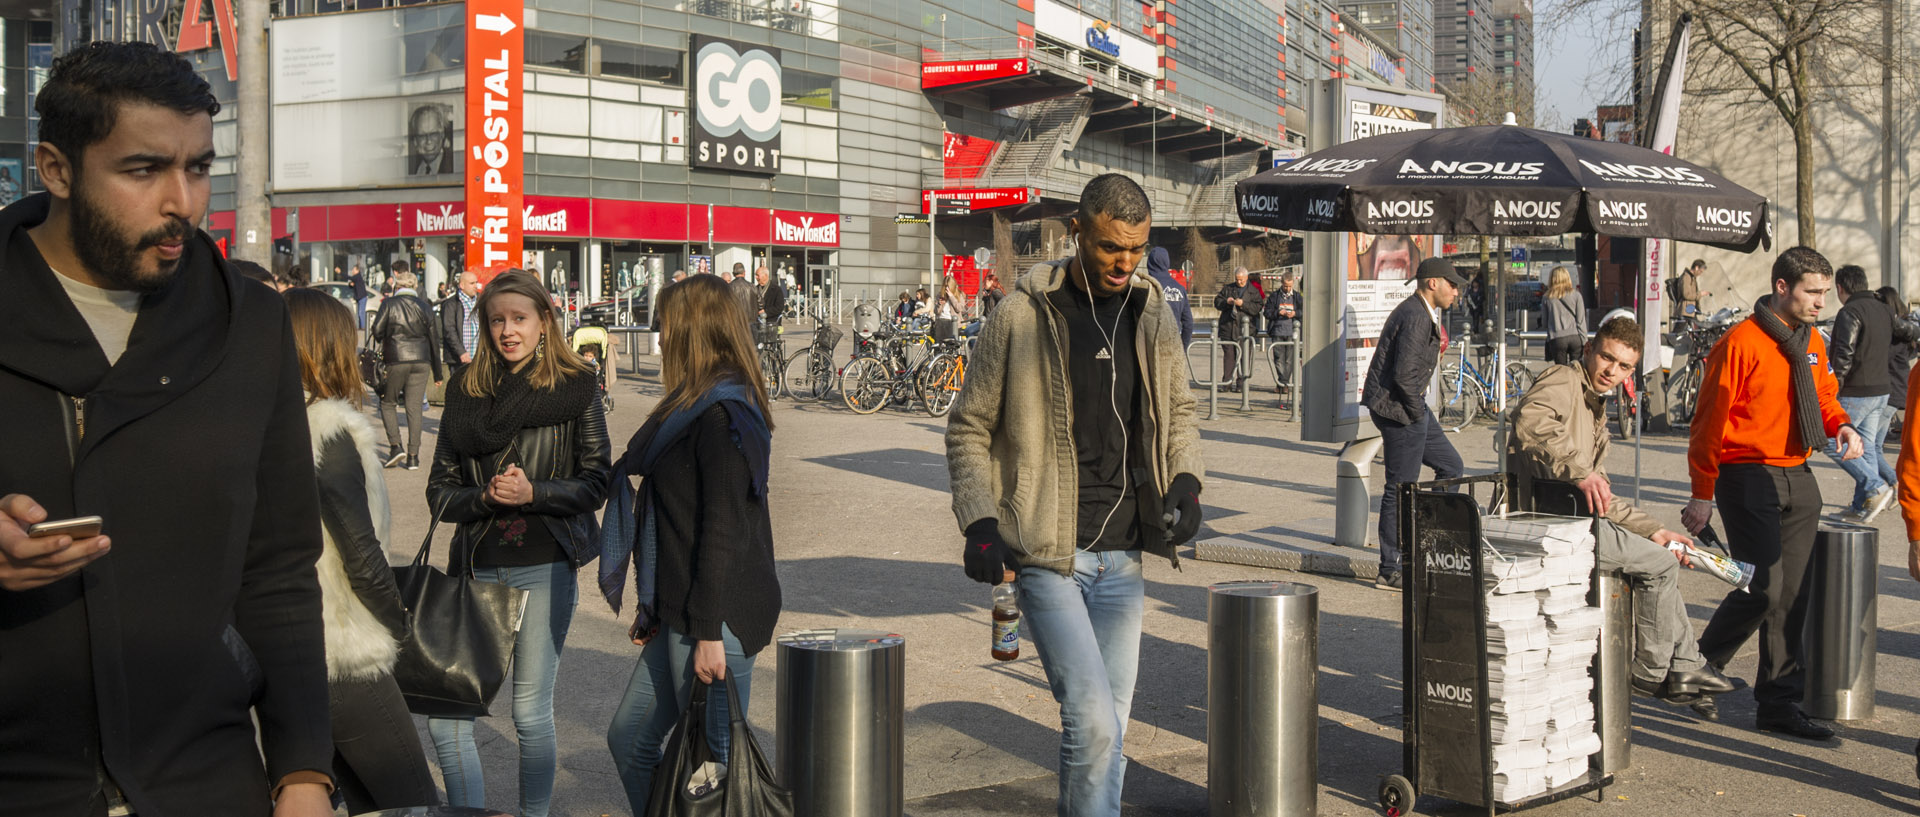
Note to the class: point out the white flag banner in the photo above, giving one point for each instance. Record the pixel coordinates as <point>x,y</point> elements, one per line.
<point>1658,260</point>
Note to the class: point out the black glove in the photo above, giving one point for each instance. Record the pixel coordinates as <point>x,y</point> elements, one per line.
<point>987,556</point>
<point>1182,509</point>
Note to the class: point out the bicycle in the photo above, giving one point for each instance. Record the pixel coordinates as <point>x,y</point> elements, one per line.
<point>946,375</point>
<point>1465,391</point>
<point>773,359</point>
<point>809,374</point>
<point>872,381</point>
<point>1698,337</point>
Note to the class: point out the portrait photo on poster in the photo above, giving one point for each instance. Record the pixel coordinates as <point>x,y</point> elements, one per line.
<point>430,140</point>
<point>1386,257</point>
<point>12,180</point>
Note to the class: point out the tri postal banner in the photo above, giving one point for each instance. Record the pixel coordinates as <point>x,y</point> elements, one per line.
<point>1504,180</point>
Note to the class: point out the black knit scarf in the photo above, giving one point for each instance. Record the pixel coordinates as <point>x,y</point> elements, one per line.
<point>1809,432</point>
<point>477,426</point>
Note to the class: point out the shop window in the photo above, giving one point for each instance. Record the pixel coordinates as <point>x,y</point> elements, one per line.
<point>808,88</point>
<point>642,62</point>
<point>562,52</point>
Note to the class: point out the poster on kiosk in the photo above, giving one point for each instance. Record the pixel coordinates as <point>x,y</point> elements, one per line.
<point>494,181</point>
<point>1360,278</point>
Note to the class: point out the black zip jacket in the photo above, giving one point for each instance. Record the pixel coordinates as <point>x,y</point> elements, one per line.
<point>453,343</point>
<point>1862,332</point>
<point>569,465</point>
<point>1250,303</point>
<point>408,333</point>
<point>1403,363</point>
<point>196,454</point>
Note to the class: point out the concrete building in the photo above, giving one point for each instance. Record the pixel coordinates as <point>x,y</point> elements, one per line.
<point>1011,105</point>
<point>1513,45</point>
<point>1406,27</point>
<point>1462,40</point>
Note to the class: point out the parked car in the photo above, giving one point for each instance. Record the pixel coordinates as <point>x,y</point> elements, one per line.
<point>637,301</point>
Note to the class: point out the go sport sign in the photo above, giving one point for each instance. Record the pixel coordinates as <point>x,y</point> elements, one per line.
<point>736,106</point>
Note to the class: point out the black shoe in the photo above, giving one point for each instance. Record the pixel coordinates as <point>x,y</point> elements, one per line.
<point>413,463</point>
<point>1660,690</point>
<point>398,458</point>
<point>1705,681</point>
<point>1792,721</point>
<point>1707,708</point>
<point>1388,581</point>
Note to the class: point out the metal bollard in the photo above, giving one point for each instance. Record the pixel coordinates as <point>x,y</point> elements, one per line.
<point>1263,710</point>
<point>839,722</point>
<point>1841,633</point>
<point>1613,690</point>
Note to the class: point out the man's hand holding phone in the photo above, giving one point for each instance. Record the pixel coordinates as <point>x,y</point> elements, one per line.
<point>28,561</point>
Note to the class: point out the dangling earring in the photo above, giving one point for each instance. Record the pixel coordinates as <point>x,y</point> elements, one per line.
<point>539,347</point>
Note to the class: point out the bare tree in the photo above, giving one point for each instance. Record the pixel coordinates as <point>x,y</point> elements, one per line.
<point>1486,100</point>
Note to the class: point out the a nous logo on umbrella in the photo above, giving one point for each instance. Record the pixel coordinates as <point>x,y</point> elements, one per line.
<point>1621,210</point>
<point>1328,166</point>
<point>1409,167</point>
<point>1529,210</point>
<point>1612,170</point>
<point>1399,209</point>
<point>1260,204</point>
<point>1723,217</point>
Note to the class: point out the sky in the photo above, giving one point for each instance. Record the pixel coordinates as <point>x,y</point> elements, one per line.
<point>1581,60</point>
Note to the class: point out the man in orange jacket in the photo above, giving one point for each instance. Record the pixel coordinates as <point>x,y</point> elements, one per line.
<point>1769,399</point>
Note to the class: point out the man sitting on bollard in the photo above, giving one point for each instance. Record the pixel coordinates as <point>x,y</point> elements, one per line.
<point>1072,450</point>
<point>1560,433</point>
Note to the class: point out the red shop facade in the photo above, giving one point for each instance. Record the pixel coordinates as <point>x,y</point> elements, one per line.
<point>589,247</point>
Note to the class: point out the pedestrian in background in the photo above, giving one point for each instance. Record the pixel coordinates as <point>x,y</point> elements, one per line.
<point>991,293</point>
<point>904,309</point>
<point>459,324</point>
<point>1160,268</point>
<point>359,283</point>
<point>703,457</point>
<point>521,467</point>
<point>409,340</point>
<point>1411,343</point>
<point>377,759</point>
<point>1863,335</point>
<point>743,293</point>
<point>1906,332</point>
<point>1238,303</point>
<point>177,665</point>
<point>773,299</point>
<point>1749,457</point>
<point>1115,419</point>
<point>1564,315</point>
<point>1686,288</point>
<point>1282,311</point>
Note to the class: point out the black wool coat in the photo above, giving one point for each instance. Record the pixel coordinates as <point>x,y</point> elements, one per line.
<point>195,453</point>
<point>1403,363</point>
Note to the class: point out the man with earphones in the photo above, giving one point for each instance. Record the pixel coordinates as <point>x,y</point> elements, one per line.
<point>1072,450</point>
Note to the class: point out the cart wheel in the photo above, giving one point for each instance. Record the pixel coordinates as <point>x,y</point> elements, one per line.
<point>1396,796</point>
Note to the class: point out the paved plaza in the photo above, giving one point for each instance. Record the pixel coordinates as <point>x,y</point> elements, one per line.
<point>866,539</point>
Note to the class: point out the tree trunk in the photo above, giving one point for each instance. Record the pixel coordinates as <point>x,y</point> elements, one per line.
<point>1803,151</point>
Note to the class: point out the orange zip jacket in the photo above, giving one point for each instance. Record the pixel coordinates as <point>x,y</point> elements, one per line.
<point>1744,413</point>
<point>1908,466</point>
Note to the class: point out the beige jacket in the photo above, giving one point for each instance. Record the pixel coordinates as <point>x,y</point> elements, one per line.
<point>1010,453</point>
<point>1560,433</point>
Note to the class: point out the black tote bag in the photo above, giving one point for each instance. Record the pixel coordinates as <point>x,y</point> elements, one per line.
<point>749,790</point>
<point>461,644</point>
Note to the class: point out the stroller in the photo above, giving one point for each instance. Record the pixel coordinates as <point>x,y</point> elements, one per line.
<point>593,343</point>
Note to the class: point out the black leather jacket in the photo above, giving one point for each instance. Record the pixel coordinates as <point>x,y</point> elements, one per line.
<point>407,333</point>
<point>1403,363</point>
<point>453,344</point>
<point>1862,333</point>
<point>569,465</point>
<point>344,512</point>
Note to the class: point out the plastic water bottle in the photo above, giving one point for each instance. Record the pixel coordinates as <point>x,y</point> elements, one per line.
<point>1006,621</point>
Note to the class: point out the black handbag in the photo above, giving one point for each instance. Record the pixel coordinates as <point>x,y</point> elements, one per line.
<point>373,366</point>
<point>749,790</point>
<point>461,644</point>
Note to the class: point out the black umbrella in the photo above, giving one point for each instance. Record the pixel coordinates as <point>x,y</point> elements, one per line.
<point>1504,180</point>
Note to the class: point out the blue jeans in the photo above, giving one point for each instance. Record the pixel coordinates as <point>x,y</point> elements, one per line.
<point>536,660</point>
<point>640,725</point>
<point>360,313</point>
<point>1870,416</point>
<point>1405,448</point>
<point>1086,628</point>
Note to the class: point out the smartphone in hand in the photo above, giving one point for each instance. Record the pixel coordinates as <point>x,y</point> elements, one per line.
<point>79,527</point>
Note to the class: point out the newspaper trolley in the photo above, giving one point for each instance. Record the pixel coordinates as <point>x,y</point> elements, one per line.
<point>1464,740</point>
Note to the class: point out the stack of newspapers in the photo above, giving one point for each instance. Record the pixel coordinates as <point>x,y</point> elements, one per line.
<point>1542,637</point>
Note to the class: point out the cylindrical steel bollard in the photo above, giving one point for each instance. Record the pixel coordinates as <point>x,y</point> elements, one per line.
<point>840,722</point>
<point>1613,690</point>
<point>1841,635</point>
<point>1263,709</point>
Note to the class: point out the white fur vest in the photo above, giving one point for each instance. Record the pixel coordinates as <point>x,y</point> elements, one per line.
<point>359,647</point>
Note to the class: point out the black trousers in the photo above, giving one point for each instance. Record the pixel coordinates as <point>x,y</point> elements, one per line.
<point>1283,359</point>
<point>1405,448</point>
<point>377,760</point>
<point>1564,349</point>
<point>1772,515</point>
<point>1230,358</point>
<point>407,387</point>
